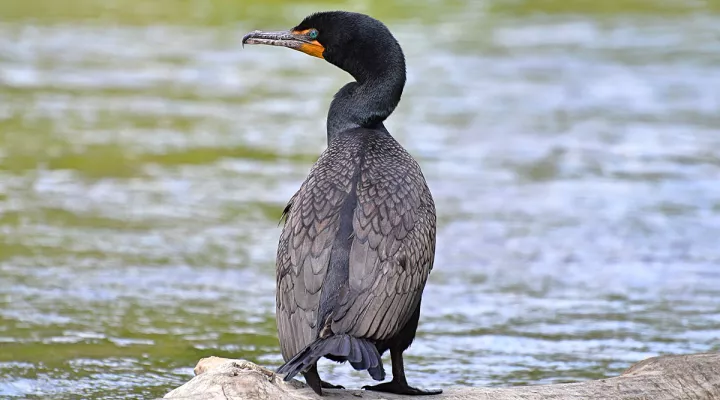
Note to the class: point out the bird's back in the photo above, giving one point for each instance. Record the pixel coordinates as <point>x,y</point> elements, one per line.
<point>357,245</point>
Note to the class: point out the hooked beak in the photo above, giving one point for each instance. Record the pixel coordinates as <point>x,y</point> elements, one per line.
<point>292,39</point>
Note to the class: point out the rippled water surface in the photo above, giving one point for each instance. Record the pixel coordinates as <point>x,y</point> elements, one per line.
<point>573,151</point>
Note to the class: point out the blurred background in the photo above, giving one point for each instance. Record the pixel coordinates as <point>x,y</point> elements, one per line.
<point>573,149</point>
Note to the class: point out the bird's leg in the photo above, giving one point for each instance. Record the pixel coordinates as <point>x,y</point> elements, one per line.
<point>398,384</point>
<point>312,377</point>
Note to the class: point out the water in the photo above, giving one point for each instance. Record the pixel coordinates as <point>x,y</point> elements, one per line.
<point>573,151</point>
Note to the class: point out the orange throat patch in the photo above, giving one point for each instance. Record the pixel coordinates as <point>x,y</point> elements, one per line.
<point>313,48</point>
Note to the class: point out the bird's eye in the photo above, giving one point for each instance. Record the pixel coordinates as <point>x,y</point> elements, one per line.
<point>313,33</point>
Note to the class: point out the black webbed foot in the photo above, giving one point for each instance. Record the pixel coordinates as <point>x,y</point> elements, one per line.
<point>328,385</point>
<point>398,388</point>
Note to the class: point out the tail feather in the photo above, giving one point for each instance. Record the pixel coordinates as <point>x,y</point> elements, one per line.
<point>361,353</point>
<point>346,347</point>
<point>356,354</point>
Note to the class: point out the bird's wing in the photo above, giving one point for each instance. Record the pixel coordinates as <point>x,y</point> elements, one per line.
<point>392,250</point>
<point>311,224</point>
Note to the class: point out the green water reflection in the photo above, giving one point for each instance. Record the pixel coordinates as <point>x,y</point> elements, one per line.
<point>145,157</point>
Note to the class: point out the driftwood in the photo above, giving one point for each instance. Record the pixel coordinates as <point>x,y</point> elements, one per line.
<point>695,376</point>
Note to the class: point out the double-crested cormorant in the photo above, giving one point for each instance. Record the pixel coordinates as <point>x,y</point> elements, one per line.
<point>358,241</point>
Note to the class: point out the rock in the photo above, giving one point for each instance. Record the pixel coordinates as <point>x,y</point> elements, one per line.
<point>694,376</point>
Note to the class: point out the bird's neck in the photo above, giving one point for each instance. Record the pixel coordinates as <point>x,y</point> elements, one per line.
<point>365,103</point>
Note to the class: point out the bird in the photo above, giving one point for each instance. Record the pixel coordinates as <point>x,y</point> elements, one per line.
<point>358,237</point>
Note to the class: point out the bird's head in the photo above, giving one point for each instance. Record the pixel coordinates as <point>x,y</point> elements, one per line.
<point>357,43</point>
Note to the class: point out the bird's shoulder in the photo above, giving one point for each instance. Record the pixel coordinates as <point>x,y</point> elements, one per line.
<point>369,162</point>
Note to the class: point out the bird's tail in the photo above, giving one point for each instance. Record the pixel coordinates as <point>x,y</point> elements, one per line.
<point>361,353</point>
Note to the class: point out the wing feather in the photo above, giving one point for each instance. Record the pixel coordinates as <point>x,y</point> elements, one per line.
<point>391,251</point>
<point>393,247</point>
<point>311,224</point>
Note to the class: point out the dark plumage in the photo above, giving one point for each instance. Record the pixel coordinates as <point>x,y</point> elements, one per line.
<point>359,236</point>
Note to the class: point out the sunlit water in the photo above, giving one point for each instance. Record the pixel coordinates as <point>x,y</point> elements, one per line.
<point>574,156</point>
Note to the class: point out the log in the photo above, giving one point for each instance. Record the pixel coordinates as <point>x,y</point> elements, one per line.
<point>672,377</point>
